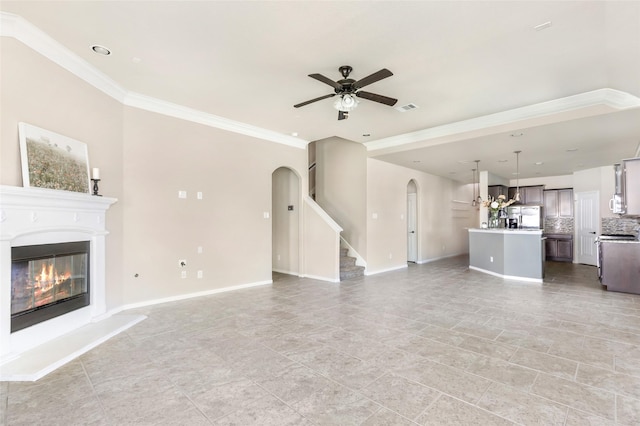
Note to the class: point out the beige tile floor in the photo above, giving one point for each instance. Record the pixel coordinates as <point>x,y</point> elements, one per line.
<point>433,344</point>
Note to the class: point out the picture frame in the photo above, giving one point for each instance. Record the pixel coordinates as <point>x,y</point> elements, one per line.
<point>53,161</point>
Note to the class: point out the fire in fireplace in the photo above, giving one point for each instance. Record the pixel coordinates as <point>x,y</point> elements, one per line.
<point>47,281</point>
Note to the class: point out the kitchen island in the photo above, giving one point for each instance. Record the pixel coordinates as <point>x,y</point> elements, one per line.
<point>514,254</point>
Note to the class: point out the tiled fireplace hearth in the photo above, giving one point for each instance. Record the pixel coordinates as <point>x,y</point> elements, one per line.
<point>33,217</point>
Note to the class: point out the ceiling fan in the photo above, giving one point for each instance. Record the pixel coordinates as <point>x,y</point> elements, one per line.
<point>348,89</point>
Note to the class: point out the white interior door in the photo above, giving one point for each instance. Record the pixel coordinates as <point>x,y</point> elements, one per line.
<point>587,226</point>
<point>412,237</point>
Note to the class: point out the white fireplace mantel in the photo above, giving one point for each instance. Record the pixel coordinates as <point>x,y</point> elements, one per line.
<point>30,216</point>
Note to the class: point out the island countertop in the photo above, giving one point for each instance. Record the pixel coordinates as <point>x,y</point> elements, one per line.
<point>508,230</point>
<point>516,254</point>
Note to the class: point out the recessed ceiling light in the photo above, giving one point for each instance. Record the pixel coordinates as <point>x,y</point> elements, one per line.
<point>294,134</point>
<point>572,149</point>
<point>101,50</point>
<point>136,60</point>
<point>465,161</point>
<point>416,161</point>
<point>502,161</point>
<point>539,163</point>
<point>517,134</point>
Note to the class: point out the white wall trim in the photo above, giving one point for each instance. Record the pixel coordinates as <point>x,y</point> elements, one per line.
<point>22,30</point>
<point>159,106</point>
<point>323,214</point>
<point>188,296</point>
<point>380,271</point>
<point>353,253</point>
<point>507,277</point>
<point>608,98</point>
<point>15,26</point>
<point>316,277</point>
<point>433,259</point>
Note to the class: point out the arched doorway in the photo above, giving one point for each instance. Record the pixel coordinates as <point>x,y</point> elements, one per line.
<point>285,210</point>
<point>412,221</point>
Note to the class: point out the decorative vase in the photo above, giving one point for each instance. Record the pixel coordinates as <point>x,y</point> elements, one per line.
<point>493,219</point>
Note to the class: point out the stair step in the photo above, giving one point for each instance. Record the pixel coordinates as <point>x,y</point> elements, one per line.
<point>357,271</point>
<point>344,252</point>
<point>347,261</point>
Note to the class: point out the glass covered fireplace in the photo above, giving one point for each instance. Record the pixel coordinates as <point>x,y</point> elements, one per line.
<point>47,281</point>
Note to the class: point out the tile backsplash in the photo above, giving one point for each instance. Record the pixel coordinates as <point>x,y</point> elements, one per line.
<point>619,225</point>
<point>558,225</point>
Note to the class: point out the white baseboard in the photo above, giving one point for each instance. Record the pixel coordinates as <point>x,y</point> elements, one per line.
<point>507,277</point>
<point>315,277</point>
<point>282,271</point>
<point>433,259</point>
<point>380,271</point>
<point>190,295</point>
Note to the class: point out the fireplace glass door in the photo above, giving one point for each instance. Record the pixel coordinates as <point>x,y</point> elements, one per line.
<point>47,281</point>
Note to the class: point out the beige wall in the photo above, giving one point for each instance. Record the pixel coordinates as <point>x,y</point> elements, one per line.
<point>341,187</point>
<point>144,160</point>
<point>442,230</point>
<point>38,92</point>
<point>234,173</point>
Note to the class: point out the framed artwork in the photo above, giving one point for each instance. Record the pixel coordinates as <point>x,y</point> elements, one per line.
<point>53,161</point>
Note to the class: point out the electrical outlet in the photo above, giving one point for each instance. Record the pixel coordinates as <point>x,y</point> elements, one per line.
<point>491,259</point>
<point>390,255</point>
<point>182,263</point>
<point>199,249</point>
<point>199,274</point>
<point>183,274</point>
<point>278,257</point>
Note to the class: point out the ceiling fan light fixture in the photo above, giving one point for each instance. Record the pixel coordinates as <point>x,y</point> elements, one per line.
<point>345,103</point>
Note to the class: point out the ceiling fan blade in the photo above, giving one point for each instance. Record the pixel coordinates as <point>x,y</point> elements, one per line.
<point>314,100</point>
<point>326,80</point>
<point>376,76</point>
<point>343,115</point>
<point>377,98</point>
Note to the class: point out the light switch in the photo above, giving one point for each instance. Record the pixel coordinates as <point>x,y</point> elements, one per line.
<point>199,195</point>
<point>374,215</point>
<point>182,194</point>
<point>265,215</point>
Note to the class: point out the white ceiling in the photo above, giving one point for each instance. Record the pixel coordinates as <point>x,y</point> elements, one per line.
<point>459,62</point>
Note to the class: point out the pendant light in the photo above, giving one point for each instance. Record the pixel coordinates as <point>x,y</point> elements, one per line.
<point>474,202</point>
<point>517,196</point>
<point>479,199</point>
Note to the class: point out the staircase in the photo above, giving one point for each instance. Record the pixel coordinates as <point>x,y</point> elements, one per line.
<point>348,267</point>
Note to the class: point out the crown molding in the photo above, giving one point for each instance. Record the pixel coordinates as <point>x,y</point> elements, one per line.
<point>148,103</point>
<point>583,104</point>
<point>16,27</point>
<point>28,34</point>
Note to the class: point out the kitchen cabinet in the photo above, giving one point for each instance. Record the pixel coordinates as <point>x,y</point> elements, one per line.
<point>632,186</point>
<point>528,194</point>
<point>496,190</point>
<point>558,203</point>
<point>559,247</point>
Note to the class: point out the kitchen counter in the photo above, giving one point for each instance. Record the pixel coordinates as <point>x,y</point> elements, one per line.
<point>516,254</point>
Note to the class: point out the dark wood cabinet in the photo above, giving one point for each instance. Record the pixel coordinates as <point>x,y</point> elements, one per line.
<point>496,190</point>
<point>558,203</point>
<point>528,194</point>
<point>559,247</point>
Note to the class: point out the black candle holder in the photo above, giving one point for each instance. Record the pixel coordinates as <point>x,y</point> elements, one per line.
<point>95,187</point>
